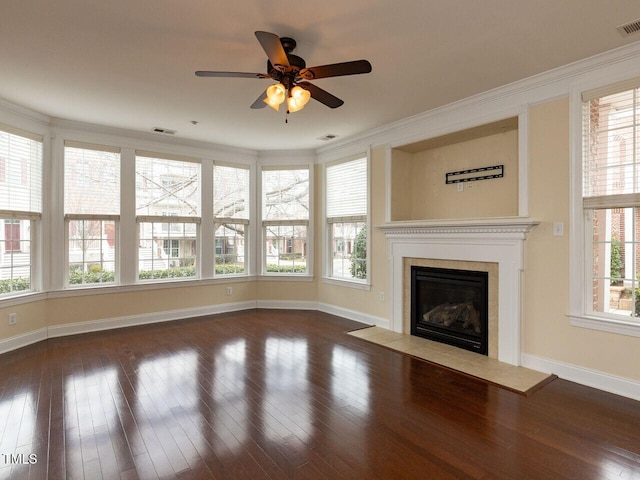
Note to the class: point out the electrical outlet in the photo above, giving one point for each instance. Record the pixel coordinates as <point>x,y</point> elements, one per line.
<point>558,229</point>
<point>460,187</point>
<point>229,290</point>
<point>381,296</point>
<point>13,318</point>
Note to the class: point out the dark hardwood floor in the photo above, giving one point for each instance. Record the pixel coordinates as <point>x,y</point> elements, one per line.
<point>287,394</point>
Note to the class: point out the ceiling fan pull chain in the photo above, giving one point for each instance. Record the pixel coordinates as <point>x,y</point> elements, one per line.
<point>286,117</point>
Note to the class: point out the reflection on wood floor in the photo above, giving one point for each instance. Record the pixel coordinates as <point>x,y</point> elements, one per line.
<point>287,394</point>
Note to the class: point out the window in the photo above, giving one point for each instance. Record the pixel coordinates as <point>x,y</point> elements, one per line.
<point>92,212</point>
<point>231,200</point>
<point>20,207</point>
<point>346,207</point>
<point>285,219</point>
<point>168,214</point>
<point>611,203</point>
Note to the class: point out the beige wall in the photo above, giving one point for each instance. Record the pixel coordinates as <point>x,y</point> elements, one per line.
<point>401,185</point>
<point>30,317</point>
<point>419,191</point>
<point>546,328</point>
<point>68,310</point>
<point>279,291</point>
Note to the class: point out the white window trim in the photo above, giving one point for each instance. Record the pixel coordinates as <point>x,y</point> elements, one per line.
<point>34,219</point>
<point>579,260</point>
<point>220,221</point>
<point>248,222</point>
<point>168,219</point>
<point>37,239</point>
<point>116,280</point>
<point>260,224</point>
<point>326,233</point>
<point>50,231</point>
<point>206,208</point>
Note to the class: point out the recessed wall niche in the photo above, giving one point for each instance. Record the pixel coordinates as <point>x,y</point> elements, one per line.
<point>418,173</point>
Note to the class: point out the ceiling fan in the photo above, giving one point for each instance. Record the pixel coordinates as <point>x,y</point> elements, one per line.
<point>292,75</point>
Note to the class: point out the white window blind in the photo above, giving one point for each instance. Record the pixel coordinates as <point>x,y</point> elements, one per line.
<point>167,187</point>
<point>231,190</point>
<point>347,188</point>
<point>20,173</point>
<point>285,194</point>
<point>91,181</point>
<point>611,156</point>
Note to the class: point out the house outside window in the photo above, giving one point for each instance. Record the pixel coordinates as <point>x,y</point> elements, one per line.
<point>20,208</point>
<point>231,212</point>
<point>92,213</point>
<point>12,229</point>
<point>346,217</point>
<point>168,216</point>
<point>611,203</point>
<point>285,220</point>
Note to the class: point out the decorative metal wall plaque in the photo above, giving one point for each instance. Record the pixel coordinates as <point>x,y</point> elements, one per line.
<point>473,174</point>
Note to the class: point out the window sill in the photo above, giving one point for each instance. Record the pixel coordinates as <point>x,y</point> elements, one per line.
<point>343,282</point>
<point>606,325</point>
<point>286,277</point>
<point>146,285</point>
<point>11,300</point>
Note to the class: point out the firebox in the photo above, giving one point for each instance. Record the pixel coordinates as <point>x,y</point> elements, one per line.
<point>450,306</point>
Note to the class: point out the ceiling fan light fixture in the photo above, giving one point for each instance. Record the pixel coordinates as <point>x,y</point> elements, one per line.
<point>275,96</point>
<point>298,98</point>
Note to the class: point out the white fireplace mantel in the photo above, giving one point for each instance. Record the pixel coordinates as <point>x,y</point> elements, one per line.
<point>498,241</point>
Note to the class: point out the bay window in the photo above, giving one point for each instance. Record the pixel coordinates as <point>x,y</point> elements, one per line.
<point>92,213</point>
<point>231,202</point>
<point>285,220</point>
<point>168,216</point>
<point>20,207</point>
<point>346,215</point>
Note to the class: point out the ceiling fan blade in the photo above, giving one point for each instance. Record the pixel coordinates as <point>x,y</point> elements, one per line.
<point>336,70</point>
<point>321,95</point>
<point>273,48</point>
<point>206,73</point>
<point>259,103</point>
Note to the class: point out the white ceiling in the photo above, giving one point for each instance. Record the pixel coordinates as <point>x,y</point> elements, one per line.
<point>130,64</point>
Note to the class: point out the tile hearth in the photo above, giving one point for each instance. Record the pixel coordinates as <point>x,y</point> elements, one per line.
<point>515,378</point>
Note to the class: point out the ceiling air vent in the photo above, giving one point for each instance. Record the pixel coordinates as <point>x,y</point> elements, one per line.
<point>327,137</point>
<point>629,28</point>
<point>164,131</point>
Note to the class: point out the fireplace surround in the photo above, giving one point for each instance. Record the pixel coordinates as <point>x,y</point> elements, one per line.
<point>497,244</point>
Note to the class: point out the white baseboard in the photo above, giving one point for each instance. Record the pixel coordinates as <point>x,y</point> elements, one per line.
<point>287,304</point>
<point>145,318</point>
<point>584,376</point>
<point>354,315</point>
<point>19,341</point>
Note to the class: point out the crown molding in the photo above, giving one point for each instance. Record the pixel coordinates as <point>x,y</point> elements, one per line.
<point>21,117</point>
<point>494,104</point>
<point>147,140</point>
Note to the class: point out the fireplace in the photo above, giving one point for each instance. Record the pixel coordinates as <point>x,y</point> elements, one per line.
<point>496,246</point>
<point>450,306</point>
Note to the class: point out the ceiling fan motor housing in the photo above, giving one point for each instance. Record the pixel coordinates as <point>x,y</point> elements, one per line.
<point>296,64</point>
<point>288,44</point>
